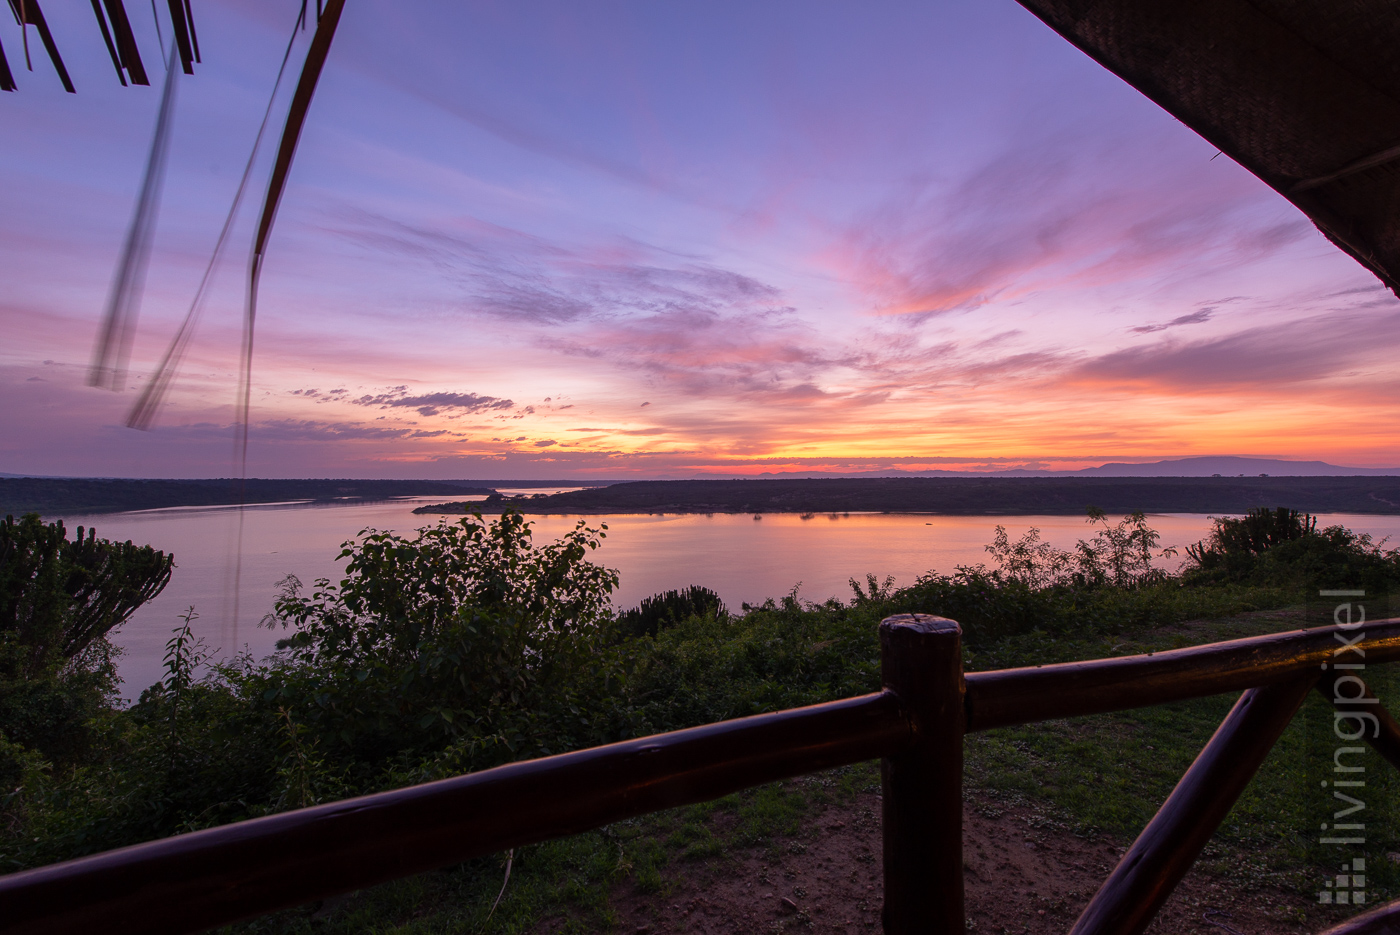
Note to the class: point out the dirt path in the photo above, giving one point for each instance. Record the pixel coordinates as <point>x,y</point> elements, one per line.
<point>1025,874</point>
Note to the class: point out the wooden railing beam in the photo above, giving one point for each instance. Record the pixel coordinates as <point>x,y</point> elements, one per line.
<point>1008,697</point>
<point>1382,920</point>
<point>192,882</point>
<point>1173,839</point>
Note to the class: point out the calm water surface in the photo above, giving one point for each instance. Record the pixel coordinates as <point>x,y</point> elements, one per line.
<point>744,559</point>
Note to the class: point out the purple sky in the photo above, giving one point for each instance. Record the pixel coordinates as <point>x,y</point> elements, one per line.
<point>639,239</point>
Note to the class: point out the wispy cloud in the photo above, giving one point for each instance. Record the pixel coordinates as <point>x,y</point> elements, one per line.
<point>1194,318</point>
<point>1046,213</point>
<point>522,278</point>
<point>306,430</point>
<point>1316,349</point>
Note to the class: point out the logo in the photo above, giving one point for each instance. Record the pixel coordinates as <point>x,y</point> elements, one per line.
<point>1347,888</point>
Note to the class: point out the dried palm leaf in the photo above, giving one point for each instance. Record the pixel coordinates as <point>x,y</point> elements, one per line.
<point>124,302</point>
<point>143,414</point>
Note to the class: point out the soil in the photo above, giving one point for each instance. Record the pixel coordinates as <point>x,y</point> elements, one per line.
<point>1026,873</point>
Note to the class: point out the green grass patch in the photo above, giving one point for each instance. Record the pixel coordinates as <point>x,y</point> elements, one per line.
<point>1109,773</point>
<point>569,881</point>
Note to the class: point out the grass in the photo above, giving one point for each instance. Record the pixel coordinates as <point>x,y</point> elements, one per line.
<point>569,881</point>
<point>1109,773</point>
<point>1105,774</point>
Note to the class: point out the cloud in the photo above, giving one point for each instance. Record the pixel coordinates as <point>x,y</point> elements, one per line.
<point>1195,318</point>
<point>295,430</point>
<point>431,404</point>
<point>299,430</point>
<point>545,443</point>
<point>654,430</point>
<point>1315,349</point>
<point>1046,214</point>
<point>521,278</point>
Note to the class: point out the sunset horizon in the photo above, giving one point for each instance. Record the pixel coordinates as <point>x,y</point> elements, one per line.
<point>673,243</point>
<point>800,466</point>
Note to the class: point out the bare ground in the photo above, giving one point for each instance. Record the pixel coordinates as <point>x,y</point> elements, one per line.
<point>1026,873</point>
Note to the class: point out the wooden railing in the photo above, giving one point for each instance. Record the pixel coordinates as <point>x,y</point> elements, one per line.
<point>915,724</point>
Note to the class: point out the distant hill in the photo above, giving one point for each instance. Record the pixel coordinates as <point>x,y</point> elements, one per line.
<point>1008,496</point>
<point>1224,465</point>
<point>1231,467</point>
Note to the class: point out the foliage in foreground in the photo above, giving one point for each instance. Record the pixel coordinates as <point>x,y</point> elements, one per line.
<point>467,645</point>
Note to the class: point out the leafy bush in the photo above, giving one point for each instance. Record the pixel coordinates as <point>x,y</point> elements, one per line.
<point>1120,555</point>
<point>456,649</point>
<point>1256,532</point>
<point>668,608</point>
<point>780,654</point>
<point>1107,582</point>
<point>1284,548</point>
<point>465,636</point>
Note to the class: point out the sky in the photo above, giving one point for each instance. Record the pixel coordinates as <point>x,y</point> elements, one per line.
<point>635,239</point>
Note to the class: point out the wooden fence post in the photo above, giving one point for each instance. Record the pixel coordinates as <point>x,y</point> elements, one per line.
<point>921,662</point>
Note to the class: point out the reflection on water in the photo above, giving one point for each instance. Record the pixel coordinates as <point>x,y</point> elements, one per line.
<point>745,559</point>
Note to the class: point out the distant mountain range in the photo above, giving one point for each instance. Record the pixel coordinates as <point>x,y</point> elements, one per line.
<point>1223,466</point>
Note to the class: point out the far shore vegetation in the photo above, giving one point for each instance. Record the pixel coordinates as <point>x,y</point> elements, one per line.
<point>468,645</point>
<point>67,496</point>
<point>954,496</point>
<point>958,495</point>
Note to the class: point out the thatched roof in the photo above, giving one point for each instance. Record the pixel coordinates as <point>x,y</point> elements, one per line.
<point>1303,93</point>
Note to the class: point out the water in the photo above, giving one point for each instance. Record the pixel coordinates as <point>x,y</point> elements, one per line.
<point>744,559</point>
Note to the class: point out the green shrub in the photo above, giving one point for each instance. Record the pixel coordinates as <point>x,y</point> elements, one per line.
<point>779,654</point>
<point>1284,548</point>
<point>466,641</point>
<point>668,608</point>
<point>1120,555</point>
